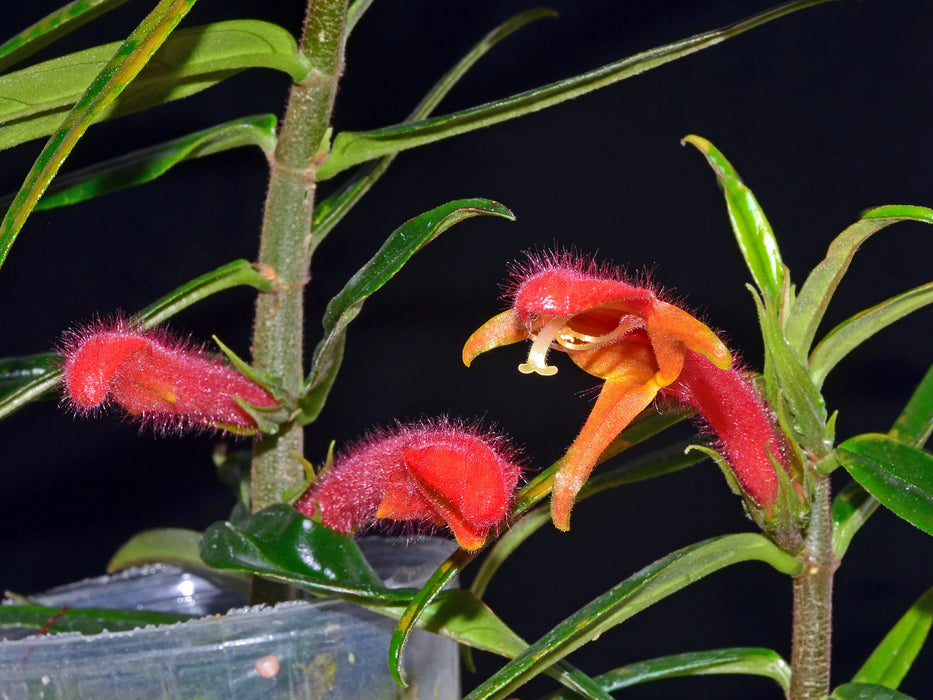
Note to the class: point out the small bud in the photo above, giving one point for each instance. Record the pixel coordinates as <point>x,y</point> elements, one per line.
<point>165,382</point>
<point>434,473</point>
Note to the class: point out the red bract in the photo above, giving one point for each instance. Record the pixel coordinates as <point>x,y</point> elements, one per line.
<point>642,347</point>
<point>437,473</point>
<point>166,382</point>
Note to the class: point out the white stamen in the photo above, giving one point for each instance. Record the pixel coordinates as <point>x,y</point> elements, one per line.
<point>537,355</point>
<point>580,341</point>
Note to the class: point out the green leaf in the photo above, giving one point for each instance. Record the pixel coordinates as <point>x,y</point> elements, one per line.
<point>16,372</point>
<point>34,100</point>
<point>147,164</point>
<point>169,544</point>
<point>738,660</point>
<point>52,27</point>
<point>915,423</point>
<point>328,213</point>
<point>821,284</point>
<point>239,273</point>
<point>752,231</point>
<point>788,383</point>
<point>641,590</point>
<point>866,691</point>
<point>897,474</point>
<point>440,579</point>
<point>665,461</point>
<point>851,333</point>
<point>854,505</point>
<point>84,620</point>
<point>404,242</point>
<point>279,542</point>
<point>234,274</point>
<point>893,657</point>
<point>110,81</point>
<point>352,148</point>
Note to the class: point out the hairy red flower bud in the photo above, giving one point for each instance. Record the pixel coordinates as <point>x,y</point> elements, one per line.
<point>165,382</point>
<point>435,472</point>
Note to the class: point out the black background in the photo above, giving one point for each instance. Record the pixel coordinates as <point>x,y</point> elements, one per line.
<point>824,113</point>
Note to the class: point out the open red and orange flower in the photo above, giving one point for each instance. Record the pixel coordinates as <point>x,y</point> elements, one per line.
<point>642,347</point>
<point>436,472</point>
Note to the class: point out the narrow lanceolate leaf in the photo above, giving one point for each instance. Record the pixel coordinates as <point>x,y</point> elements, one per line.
<point>130,58</point>
<point>648,586</point>
<point>821,284</point>
<point>851,333</point>
<point>867,691</point>
<point>35,100</point>
<point>236,274</point>
<point>279,542</point>
<point>897,474</point>
<point>892,659</point>
<point>666,461</point>
<point>352,148</point>
<point>83,620</point>
<point>52,27</point>
<point>147,164</point>
<point>915,423</point>
<point>739,660</point>
<point>16,372</point>
<point>328,213</point>
<point>752,231</point>
<point>404,242</point>
<point>440,579</point>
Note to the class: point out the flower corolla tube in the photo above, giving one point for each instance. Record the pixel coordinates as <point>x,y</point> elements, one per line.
<point>642,347</point>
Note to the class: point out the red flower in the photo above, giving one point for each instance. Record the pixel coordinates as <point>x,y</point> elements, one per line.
<point>641,347</point>
<point>438,473</point>
<point>164,381</point>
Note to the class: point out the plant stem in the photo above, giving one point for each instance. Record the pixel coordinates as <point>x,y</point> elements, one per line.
<point>285,247</point>
<point>813,602</point>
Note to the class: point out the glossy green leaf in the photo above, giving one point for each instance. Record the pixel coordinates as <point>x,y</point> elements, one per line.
<point>752,231</point>
<point>440,579</point>
<point>897,474</point>
<point>279,542</point>
<point>235,274</point>
<point>915,423</point>
<point>739,660</point>
<point>101,92</point>
<point>329,212</point>
<point>352,148</point>
<point>665,461</point>
<point>893,657</point>
<point>854,505</point>
<point>866,691</point>
<point>16,372</point>
<point>404,242</point>
<point>147,164</point>
<point>355,13</point>
<point>821,284</point>
<point>641,590</point>
<point>84,620</point>
<point>52,27</point>
<point>851,333</point>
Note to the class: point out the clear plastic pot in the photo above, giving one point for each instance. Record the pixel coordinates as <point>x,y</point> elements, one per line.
<point>320,649</point>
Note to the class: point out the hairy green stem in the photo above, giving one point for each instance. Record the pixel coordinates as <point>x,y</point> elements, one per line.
<point>285,247</point>
<point>813,602</point>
